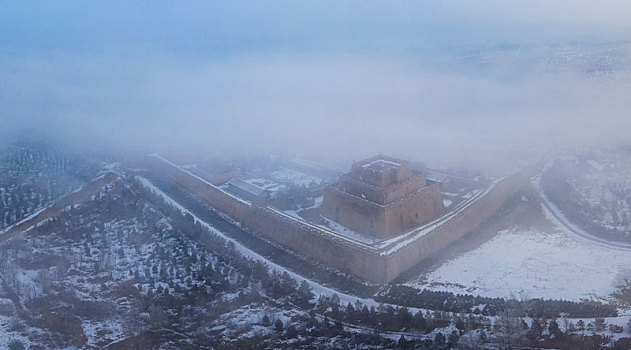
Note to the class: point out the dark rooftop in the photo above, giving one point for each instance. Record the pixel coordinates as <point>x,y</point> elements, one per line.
<point>246,186</point>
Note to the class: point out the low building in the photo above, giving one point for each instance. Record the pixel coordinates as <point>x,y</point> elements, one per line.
<point>433,176</point>
<point>247,190</point>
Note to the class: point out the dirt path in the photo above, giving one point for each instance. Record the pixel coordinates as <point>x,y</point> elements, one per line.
<point>60,204</point>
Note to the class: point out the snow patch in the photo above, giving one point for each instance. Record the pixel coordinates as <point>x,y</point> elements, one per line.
<point>535,264</point>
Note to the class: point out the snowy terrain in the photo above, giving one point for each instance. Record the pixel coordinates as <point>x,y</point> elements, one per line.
<point>266,184</point>
<point>593,189</point>
<point>534,263</point>
<point>317,288</point>
<point>296,177</point>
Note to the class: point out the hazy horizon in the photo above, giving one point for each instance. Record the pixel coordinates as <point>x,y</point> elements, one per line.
<point>455,81</point>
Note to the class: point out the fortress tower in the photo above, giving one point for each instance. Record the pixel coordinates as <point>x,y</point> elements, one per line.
<point>382,197</point>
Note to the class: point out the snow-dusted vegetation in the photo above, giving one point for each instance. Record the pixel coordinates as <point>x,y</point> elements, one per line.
<point>33,177</point>
<point>133,266</point>
<point>125,267</point>
<point>592,188</point>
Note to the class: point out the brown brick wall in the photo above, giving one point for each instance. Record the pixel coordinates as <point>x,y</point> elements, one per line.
<point>318,245</point>
<point>460,225</point>
<point>382,221</point>
<point>382,195</point>
<point>312,243</point>
<point>381,178</point>
<point>352,212</point>
<point>414,212</point>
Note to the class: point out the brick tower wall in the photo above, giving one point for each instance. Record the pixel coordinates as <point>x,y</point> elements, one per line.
<point>318,245</point>
<point>459,226</point>
<point>411,213</point>
<point>381,178</point>
<point>312,243</point>
<point>382,221</point>
<point>353,212</point>
<point>382,195</point>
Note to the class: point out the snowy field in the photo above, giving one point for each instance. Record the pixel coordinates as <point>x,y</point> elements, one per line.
<point>533,263</point>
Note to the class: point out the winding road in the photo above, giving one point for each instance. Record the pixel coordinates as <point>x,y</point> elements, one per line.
<point>563,222</point>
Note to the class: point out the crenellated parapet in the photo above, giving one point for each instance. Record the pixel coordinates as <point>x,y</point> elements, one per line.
<point>382,197</point>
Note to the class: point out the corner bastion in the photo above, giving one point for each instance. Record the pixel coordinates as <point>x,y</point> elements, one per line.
<point>380,262</point>
<point>382,197</point>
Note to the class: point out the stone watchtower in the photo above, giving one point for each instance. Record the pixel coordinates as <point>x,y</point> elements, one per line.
<point>382,197</point>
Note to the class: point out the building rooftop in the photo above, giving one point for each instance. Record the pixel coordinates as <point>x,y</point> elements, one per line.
<point>246,186</point>
<point>435,176</point>
<point>381,165</point>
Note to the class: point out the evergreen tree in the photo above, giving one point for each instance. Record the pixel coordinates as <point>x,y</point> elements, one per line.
<point>453,339</point>
<point>402,342</point>
<point>439,339</point>
<point>459,324</point>
<point>482,337</point>
<point>553,328</point>
<point>419,321</point>
<point>278,326</point>
<point>292,332</point>
<point>265,322</point>
<point>15,344</point>
<point>535,327</point>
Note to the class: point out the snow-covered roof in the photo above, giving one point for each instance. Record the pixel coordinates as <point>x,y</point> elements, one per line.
<point>435,176</point>
<point>246,186</point>
<point>381,165</point>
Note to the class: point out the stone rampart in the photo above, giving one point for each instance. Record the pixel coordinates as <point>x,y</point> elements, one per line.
<point>382,221</point>
<point>400,260</point>
<point>380,266</point>
<point>310,241</point>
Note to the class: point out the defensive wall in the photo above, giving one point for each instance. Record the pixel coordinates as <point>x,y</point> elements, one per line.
<point>381,220</point>
<point>401,257</point>
<point>379,264</point>
<point>308,240</point>
<point>382,195</point>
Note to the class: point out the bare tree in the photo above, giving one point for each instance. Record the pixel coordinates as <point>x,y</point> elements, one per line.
<point>471,340</point>
<point>509,326</point>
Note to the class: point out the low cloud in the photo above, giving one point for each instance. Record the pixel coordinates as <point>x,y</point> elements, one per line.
<point>346,105</point>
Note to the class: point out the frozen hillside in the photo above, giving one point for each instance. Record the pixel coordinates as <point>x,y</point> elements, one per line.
<point>32,178</point>
<point>593,190</point>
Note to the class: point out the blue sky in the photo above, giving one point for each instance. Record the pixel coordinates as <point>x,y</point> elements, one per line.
<point>216,27</point>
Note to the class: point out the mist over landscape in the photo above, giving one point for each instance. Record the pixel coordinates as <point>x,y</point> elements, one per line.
<point>363,78</point>
<point>315,175</point>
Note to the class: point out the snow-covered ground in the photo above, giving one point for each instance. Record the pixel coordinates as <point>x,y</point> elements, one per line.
<point>296,177</point>
<point>534,263</point>
<point>267,184</point>
<point>601,190</point>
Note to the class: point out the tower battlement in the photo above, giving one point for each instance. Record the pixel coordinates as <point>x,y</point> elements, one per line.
<point>382,196</point>
<point>381,171</point>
